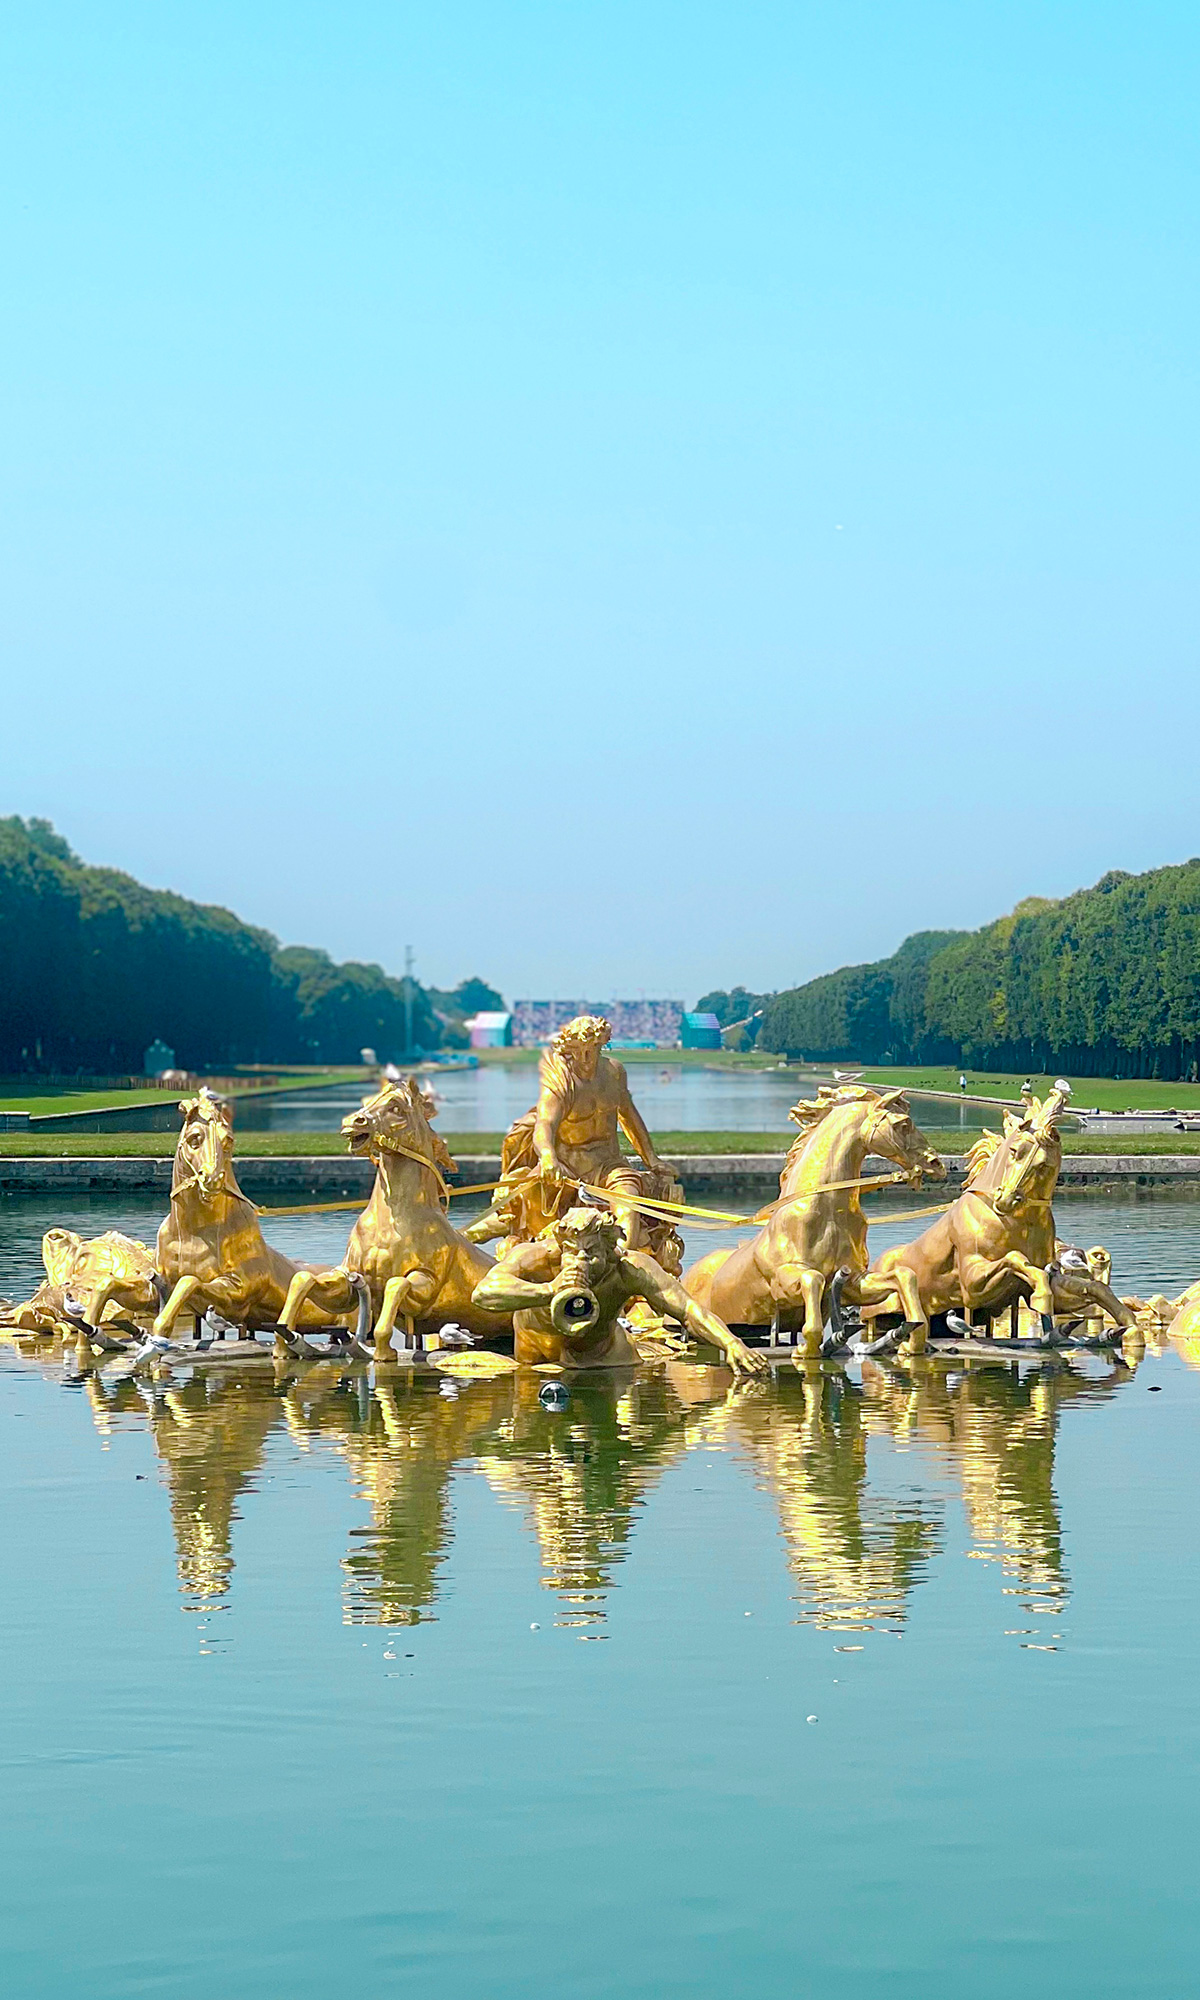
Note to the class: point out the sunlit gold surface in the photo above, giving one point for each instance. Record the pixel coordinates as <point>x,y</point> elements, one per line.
<point>996,1244</point>
<point>211,1250</point>
<point>584,1250</point>
<point>572,1137</point>
<point>104,1277</point>
<point>420,1270</point>
<point>815,1229</point>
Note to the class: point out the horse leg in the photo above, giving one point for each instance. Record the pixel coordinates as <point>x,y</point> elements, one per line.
<point>1041,1294</point>
<point>1075,1293</point>
<point>812,1291</point>
<point>93,1313</point>
<point>407,1295</point>
<point>900,1287</point>
<point>185,1288</point>
<point>326,1284</point>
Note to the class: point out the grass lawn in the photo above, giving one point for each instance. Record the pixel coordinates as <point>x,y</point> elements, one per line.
<point>951,1139</point>
<point>1088,1092</point>
<point>40,1103</point>
<point>259,1145</point>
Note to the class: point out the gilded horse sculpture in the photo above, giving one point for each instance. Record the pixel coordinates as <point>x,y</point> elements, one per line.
<point>996,1245</point>
<point>211,1250</point>
<point>414,1262</point>
<point>817,1229</point>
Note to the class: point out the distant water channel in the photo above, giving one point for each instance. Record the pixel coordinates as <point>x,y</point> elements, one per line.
<point>672,1097</point>
<point>879,1686</point>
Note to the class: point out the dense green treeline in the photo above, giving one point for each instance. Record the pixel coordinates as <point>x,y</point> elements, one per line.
<point>94,967</point>
<point>1103,983</point>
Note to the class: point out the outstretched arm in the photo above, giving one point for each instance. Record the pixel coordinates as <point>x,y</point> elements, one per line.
<point>669,1298</point>
<point>518,1283</point>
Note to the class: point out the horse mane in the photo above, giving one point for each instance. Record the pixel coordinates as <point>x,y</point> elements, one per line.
<point>811,1112</point>
<point>985,1148</point>
<point>419,1111</point>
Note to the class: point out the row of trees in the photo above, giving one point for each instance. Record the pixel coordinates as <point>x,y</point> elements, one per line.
<point>94,967</point>
<point>1103,983</point>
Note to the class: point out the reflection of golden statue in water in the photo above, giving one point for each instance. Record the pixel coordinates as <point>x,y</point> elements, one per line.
<point>402,1443</point>
<point>210,1438</point>
<point>998,1432</point>
<point>856,1556</point>
<point>584,1477</point>
<point>573,1137</point>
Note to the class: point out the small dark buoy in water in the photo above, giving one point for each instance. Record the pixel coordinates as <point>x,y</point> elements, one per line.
<point>1155,1389</point>
<point>554,1395</point>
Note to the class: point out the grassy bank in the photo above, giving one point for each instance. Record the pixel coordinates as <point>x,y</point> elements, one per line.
<point>38,1102</point>
<point>1088,1092</point>
<point>274,1145</point>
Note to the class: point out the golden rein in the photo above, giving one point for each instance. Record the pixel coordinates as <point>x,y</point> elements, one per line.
<point>656,1210</point>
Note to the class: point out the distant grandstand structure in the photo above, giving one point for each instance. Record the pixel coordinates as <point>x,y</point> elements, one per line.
<point>651,1024</point>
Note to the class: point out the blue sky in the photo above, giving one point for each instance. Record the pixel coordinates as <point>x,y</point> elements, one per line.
<point>620,497</point>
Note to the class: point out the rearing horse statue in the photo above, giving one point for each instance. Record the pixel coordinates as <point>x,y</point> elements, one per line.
<point>817,1228</point>
<point>996,1245</point>
<point>211,1249</point>
<point>414,1262</point>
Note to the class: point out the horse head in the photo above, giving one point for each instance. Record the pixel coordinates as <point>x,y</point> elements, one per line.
<point>398,1120</point>
<point>893,1135</point>
<point>204,1154</point>
<point>1032,1152</point>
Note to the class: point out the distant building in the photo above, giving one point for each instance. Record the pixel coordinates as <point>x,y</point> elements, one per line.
<point>490,1031</point>
<point>652,1024</point>
<point>700,1031</point>
<point>158,1057</point>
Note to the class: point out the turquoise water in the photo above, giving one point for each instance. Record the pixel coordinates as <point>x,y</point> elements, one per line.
<point>314,1684</point>
<point>672,1097</point>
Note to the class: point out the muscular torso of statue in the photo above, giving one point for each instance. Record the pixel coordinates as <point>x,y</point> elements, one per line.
<point>586,1124</point>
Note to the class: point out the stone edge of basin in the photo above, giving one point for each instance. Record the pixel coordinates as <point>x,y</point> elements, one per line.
<point>336,1177</point>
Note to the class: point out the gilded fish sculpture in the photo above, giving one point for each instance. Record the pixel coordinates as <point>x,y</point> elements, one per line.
<point>89,1282</point>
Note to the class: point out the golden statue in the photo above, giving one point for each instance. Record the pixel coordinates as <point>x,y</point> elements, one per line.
<point>211,1249</point>
<point>996,1245</point>
<point>415,1263</point>
<point>816,1231</point>
<point>103,1279</point>
<point>572,1138</point>
<point>568,1289</point>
